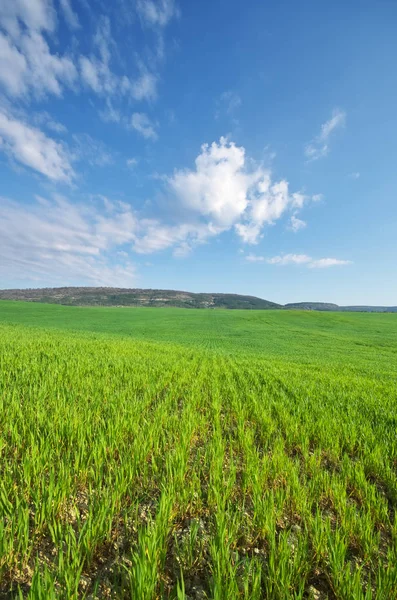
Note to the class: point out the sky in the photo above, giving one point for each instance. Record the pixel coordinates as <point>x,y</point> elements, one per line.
<point>212,146</point>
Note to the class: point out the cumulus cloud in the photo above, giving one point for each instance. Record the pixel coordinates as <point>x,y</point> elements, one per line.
<point>319,146</point>
<point>226,191</point>
<point>32,148</point>
<point>143,125</point>
<point>217,187</point>
<point>304,259</point>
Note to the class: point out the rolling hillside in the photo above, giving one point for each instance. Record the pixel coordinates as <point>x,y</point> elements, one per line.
<point>102,296</point>
<point>107,296</point>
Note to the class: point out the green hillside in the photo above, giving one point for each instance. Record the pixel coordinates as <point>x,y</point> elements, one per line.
<point>101,296</point>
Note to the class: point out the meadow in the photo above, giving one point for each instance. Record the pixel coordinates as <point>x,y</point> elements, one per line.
<point>197,454</point>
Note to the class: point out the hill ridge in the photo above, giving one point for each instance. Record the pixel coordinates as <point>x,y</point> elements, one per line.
<point>116,296</point>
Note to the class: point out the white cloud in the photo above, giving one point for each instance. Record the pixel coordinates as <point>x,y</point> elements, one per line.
<point>132,162</point>
<point>141,123</point>
<point>289,259</point>
<point>31,147</point>
<point>13,67</point>
<point>254,258</point>
<point>69,14</point>
<point>97,74</point>
<point>156,13</point>
<point>324,263</point>
<point>145,87</point>
<point>226,191</point>
<point>29,65</point>
<point>296,224</point>
<point>217,188</point>
<point>57,241</point>
<point>36,15</point>
<point>355,175</point>
<point>90,73</point>
<point>317,197</point>
<point>319,146</point>
<point>303,259</point>
<point>48,73</point>
<point>268,202</point>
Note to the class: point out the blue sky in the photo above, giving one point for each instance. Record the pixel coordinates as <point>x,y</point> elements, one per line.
<point>223,146</point>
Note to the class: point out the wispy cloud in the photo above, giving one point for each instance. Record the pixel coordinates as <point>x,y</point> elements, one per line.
<point>319,146</point>
<point>254,258</point>
<point>69,14</point>
<point>29,68</point>
<point>143,125</point>
<point>324,263</point>
<point>27,65</point>
<point>157,13</point>
<point>296,224</point>
<point>308,261</point>
<point>355,175</point>
<point>56,240</point>
<point>34,149</point>
<point>227,103</point>
<point>91,151</point>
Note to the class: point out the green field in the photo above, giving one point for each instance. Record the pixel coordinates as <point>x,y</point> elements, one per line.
<point>169,453</point>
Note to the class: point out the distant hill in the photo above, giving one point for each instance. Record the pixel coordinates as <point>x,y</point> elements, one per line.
<point>102,296</point>
<point>312,306</point>
<point>389,309</point>
<point>326,306</point>
<point>106,296</point>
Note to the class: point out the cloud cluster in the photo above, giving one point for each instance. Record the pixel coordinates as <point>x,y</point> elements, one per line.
<point>29,66</point>
<point>227,192</point>
<point>319,146</point>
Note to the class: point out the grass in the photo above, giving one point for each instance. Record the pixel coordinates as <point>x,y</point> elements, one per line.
<point>163,453</point>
